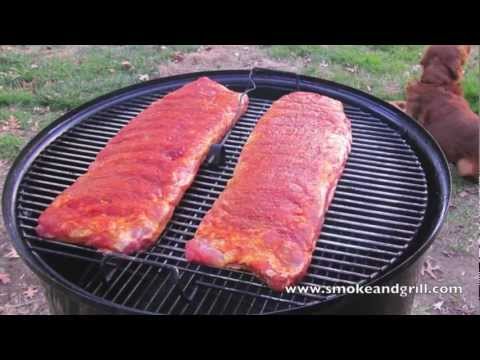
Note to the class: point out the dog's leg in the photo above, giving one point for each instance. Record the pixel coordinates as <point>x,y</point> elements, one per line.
<point>467,168</point>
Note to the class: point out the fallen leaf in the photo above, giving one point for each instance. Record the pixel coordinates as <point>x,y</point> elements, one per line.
<point>144,77</point>
<point>126,65</point>
<point>429,268</point>
<point>28,85</point>
<point>30,292</point>
<point>177,57</point>
<point>12,254</point>
<point>446,253</point>
<point>462,194</point>
<point>324,63</point>
<point>34,66</point>
<point>41,110</point>
<point>351,69</point>
<point>245,48</point>
<point>438,305</point>
<point>111,71</point>
<point>4,278</point>
<point>11,124</point>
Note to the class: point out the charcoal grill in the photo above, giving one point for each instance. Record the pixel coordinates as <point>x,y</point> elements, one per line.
<point>387,209</point>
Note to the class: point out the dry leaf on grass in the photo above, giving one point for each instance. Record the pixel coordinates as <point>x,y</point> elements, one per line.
<point>143,77</point>
<point>126,65</point>
<point>4,278</point>
<point>12,254</point>
<point>429,268</point>
<point>447,254</point>
<point>41,110</point>
<point>10,125</point>
<point>438,305</point>
<point>177,57</point>
<point>462,194</point>
<point>30,292</point>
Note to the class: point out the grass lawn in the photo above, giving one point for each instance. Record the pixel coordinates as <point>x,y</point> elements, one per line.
<point>39,83</point>
<point>382,70</point>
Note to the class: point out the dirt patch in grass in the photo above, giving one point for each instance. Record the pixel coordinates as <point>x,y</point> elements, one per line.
<point>21,292</point>
<point>454,254</point>
<point>217,57</point>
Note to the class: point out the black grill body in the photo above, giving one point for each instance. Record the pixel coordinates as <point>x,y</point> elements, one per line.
<point>387,209</point>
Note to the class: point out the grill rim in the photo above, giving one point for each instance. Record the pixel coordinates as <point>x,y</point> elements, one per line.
<point>423,144</point>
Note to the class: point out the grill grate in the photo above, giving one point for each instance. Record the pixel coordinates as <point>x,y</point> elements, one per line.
<point>378,207</point>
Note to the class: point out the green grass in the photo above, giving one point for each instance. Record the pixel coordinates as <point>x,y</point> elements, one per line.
<point>471,89</point>
<point>64,83</point>
<point>461,226</point>
<point>382,70</point>
<point>17,97</point>
<point>65,77</point>
<point>423,310</point>
<point>10,145</point>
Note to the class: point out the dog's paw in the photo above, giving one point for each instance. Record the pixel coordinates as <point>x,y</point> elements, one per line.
<point>402,105</point>
<point>468,168</point>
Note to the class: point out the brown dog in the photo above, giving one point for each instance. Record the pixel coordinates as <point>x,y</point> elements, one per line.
<point>437,102</point>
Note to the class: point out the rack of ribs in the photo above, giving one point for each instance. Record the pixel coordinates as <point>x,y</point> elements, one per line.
<point>128,195</point>
<point>269,216</point>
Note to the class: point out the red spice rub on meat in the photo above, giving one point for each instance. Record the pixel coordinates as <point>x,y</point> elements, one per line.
<point>128,195</point>
<point>270,215</point>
